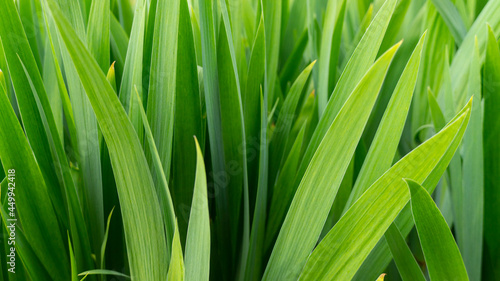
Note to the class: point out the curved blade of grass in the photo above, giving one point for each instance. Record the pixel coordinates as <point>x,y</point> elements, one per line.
<point>15,153</point>
<point>303,224</point>
<point>292,64</point>
<point>232,131</point>
<point>272,23</point>
<point>436,112</point>
<point>105,239</point>
<point>111,76</point>
<point>330,45</point>
<point>30,27</point>
<point>460,64</point>
<point>176,267</point>
<point>187,123</point>
<point>76,220</point>
<point>161,96</point>
<point>471,242</point>
<point>162,189</point>
<point>442,256</point>
<point>403,257</point>
<point>452,18</point>
<point>87,132</point>
<point>74,270</point>
<point>32,99</point>
<point>213,111</point>
<point>282,193</point>
<point>358,64</point>
<point>132,72</point>
<point>251,98</point>
<point>491,135</point>
<point>66,103</point>
<point>140,207</point>
<point>346,246</point>
<point>380,256</point>
<point>103,272</point>
<point>16,44</point>
<point>385,143</point>
<point>284,123</point>
<point>50,80</point>
<point>198,235</point>
<point>257,235</point>
<point>119,43</point>
<point>98,32</point>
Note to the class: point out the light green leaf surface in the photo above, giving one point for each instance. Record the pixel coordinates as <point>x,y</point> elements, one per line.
<point>162,83</point>
<point>358,64</point>
<point>347,245</point>
<point>384,145</point>
<point>15,153</point>
<point>303,224</point>
<point>176,267</point>
<point>140,207</point>
<point>441,252</point>
<point>470,241</point>
<point>197,259</point>
<point>403,257</point>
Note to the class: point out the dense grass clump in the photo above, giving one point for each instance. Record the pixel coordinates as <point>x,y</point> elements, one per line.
<point>273,140</point>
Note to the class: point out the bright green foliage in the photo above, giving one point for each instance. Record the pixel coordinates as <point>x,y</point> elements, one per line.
<point>250,139</point>
<point>440,250</point>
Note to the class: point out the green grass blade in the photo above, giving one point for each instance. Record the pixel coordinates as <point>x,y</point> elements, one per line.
<point>441,252</point>
<point>436,112</point>
<point>176,267</point>
<point>358,64</point>
<point>161,96</point>
<point>303,225</point>
<point>15,44</point>
<point>76,220</point>
<point>103,272</point>
<point>162,189</point>
<point>284,123</point>
<point>90,189</point>
<point>272,24</point>
<point>111,76</point>
<point>232,129</point>
<point>294,61</point>
<point>257,234</point>
<point>140,208</point>
<point>188,122</point>
<point>74,270</point>
<point>330,45</point>
<point>386,140</point>
<point>213,111</point>
<point>251,98</point>
<point>491,134</point>
<point>119,43</point>
<point>105,239</point>
<point>198,235</point>
<point>347,245</point>
<point>452,18</point>
<point>460,64</point>
<point>45,238</point>
<point>98,32</point>
<point>403,257</point>
<point>380,256</point>
<point>471,240</point>
<point>282,193</point>
<point>132,72</point>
